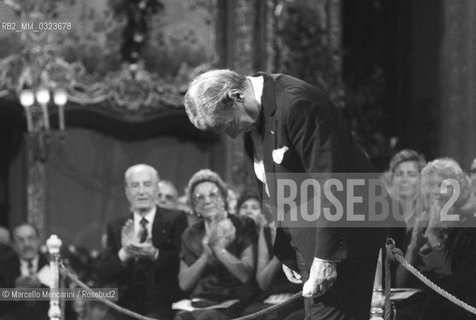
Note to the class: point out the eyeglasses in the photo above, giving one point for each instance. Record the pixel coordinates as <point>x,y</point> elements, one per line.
<point>212,195</point>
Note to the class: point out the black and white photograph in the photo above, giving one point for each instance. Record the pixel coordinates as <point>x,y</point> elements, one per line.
<point>237,159</point>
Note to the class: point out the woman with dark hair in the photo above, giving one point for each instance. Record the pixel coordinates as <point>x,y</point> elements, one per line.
<point>217,256</point>
<point>249,205</point>
<point>276,288</point>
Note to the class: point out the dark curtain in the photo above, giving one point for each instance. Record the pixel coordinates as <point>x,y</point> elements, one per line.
<point>85,178</point>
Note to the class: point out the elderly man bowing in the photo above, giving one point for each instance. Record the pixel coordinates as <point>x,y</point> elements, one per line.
<point>291,128</point>
<point>141,254</point>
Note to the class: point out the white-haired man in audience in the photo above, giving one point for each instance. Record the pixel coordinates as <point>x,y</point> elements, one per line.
<point>141,254</point>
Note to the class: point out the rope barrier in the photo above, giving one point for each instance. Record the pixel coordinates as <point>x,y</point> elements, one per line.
<point>269,309</point>
<point>110,304</point>
<point>387,289</point>
<point>391,250</point>
<point>397,254</point>
<point>133,314</point>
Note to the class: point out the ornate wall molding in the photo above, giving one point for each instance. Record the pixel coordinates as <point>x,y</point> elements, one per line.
<point>96,66</point>
<point>308,43</point>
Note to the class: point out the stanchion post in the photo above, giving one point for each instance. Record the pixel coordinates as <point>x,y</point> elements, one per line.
<point>378,299</point>
<point>54,244</point>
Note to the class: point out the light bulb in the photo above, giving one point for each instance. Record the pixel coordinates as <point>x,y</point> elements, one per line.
<point>27,98</point>
<point>60,97</point>
<point>42,95</point>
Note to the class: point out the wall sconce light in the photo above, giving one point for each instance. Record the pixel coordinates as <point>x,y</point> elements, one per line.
<point>27,99</point>
<point>42,96</point>
<point>60,97</point>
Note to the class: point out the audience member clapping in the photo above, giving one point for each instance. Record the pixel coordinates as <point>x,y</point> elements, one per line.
<point>217,256</point>
<point>446,248</point>
<point>249,205</point>
<point>141,255</point>
<point>403,178</point>
<point>404,175</point>
<point>276,288</point>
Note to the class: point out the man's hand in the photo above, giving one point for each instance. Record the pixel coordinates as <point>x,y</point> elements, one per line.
<point>292,275</point>
<point>144,250</point>
<point>127,233</point>
<point>27,282</point>
<point>127,238</point>
<point>322,276</point>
